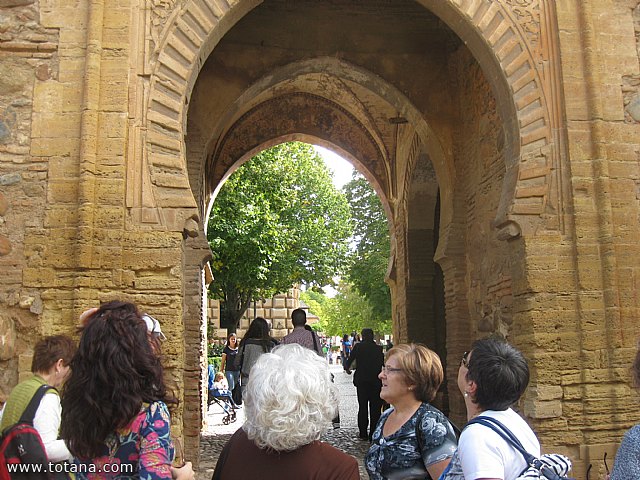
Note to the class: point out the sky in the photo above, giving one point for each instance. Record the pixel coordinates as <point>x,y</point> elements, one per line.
<point>341,168</point>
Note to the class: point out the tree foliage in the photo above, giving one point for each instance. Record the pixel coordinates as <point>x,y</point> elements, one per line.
<point>347,312</point>
<point>277,221</point>
<point>370,256</point>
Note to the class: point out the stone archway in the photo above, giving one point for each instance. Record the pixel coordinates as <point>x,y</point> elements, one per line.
<point>507,46</point>
<point>104,158</point>
<point>495,38</point>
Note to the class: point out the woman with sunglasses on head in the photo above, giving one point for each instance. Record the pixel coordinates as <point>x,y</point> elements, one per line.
<point>492,377</point>
<point>115,418</point>
<point>413,439</point>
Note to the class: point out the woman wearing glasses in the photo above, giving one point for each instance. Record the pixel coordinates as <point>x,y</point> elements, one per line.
<point>412,438</point>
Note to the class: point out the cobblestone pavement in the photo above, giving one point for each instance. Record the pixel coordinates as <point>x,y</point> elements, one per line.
<point>345,438</point>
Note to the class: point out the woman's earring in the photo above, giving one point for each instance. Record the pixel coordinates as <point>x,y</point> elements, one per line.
<point>466,394</point>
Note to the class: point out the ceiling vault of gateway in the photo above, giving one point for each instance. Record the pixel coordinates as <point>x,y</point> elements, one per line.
<point>350,75</point>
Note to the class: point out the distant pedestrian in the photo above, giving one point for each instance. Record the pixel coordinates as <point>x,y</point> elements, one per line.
<point>227,364</point>
<point>345,349</point>
<point>301,335</point>
<point>368,359</point>
<point>256,342</point>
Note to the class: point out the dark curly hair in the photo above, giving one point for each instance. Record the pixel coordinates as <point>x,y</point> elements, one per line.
<point>113,372</point>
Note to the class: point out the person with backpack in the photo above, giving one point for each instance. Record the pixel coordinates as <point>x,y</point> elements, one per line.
<point>256,342</point>
<point>50,366</point>
<point>115,418</point>
<point>497,443</point>
<point>492,376</point>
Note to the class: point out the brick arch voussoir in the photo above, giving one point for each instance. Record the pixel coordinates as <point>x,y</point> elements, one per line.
<point>489,29</point>
<point>187,41</point>
<point>292,115</point>
<point>500,44</point>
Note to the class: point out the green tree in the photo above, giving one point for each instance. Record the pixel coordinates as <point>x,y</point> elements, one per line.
<point>370,256</point>
<point>277,221</point>
<point>348,312</point>
<point>315,301</point>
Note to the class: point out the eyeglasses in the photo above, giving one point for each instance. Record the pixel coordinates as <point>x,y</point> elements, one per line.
<point>387,370</point>
<point>465,362</point>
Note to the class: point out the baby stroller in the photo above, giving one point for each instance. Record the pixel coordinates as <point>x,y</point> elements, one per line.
<point>225,402</point>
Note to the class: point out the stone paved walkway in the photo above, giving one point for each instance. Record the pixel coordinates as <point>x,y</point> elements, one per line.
<point>345,438</point>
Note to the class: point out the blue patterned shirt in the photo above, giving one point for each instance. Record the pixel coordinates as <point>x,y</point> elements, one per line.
<point>402,449</point>
<point>627,463</point>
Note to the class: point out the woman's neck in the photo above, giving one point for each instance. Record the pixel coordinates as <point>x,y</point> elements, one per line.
<point>47,377</point>
<point>473,409</point>
<point>407,406</point>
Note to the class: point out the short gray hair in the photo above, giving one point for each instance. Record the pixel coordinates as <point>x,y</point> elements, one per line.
<point>290,399</point>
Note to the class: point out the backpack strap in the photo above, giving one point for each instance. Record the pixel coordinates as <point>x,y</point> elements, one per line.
<point>315,342</point>
<point>511,439</point>
<point>30,412</point>
<point>506,434</point>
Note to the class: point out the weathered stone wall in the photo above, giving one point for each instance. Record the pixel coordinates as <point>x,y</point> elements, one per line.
<point>28,55</point>
<point>276,310</point>
<point>479,158</point>
<point>110,116</point>
<point>69,240</point>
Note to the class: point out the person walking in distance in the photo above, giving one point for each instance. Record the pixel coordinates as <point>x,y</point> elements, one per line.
<point>301,335</point>
<point>227,364</point>
<point>257,341</point>
<point>369,360</point>
<point>305,337</point>
<point>345,349</point>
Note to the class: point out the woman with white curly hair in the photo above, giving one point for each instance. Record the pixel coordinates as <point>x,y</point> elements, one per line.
<point>289,402</point>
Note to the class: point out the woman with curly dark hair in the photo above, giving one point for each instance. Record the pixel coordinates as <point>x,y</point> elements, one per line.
<point>114,408</point>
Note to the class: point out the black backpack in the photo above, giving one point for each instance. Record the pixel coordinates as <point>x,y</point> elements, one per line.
<point>22,454</point>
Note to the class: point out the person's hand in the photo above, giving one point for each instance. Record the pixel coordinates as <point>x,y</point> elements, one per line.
<point>183,473</point>
<point>84,316</point>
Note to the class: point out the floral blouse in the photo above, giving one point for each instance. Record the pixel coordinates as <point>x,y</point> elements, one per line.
<point>142,450</point>
<point>402,449</point>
